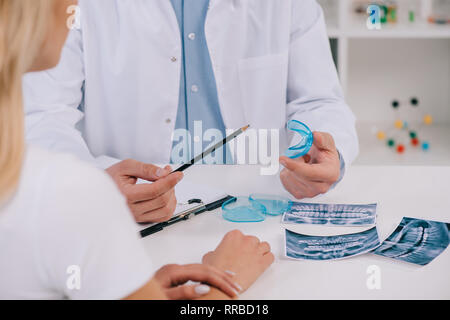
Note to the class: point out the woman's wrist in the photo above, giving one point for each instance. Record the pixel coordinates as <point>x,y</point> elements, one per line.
<point>216,294</point>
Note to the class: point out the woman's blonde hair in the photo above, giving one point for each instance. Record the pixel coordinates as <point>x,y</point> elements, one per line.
<point>23,29</point>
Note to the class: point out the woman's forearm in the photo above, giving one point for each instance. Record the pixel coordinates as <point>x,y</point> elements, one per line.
<point>150,291</point>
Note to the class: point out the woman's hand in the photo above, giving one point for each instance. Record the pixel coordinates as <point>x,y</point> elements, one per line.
<point>172,279</point>
<point>243,257</point>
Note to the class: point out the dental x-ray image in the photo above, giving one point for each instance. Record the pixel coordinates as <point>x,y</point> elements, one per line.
<point>299,246</point>
<point>331,214</point>
<point>416,241</point>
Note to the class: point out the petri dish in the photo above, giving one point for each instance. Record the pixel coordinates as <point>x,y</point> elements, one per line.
<point>241,209</point>
<point>274,205</point>
<point>304,139</point>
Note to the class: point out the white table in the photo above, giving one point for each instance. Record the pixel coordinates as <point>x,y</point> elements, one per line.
<point>421,192</point>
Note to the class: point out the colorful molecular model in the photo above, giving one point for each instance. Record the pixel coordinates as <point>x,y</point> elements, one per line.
<point>393,139</point>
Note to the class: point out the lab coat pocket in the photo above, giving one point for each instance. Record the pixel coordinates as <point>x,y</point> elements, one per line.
<point>263,85</point>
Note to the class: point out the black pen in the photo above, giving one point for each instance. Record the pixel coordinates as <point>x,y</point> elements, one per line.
<point>201,208</point>
<point>182,216</point>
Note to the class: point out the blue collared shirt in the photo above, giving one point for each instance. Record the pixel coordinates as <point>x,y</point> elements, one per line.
<point>198,108</point>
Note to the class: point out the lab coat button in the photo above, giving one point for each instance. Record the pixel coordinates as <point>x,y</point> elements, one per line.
<point>168,120</point>
<point>174,59</point>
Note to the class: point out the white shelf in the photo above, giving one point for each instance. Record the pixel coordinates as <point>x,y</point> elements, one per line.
<point>407,59</point>
<point>343,24</point>
<point>406,31</point>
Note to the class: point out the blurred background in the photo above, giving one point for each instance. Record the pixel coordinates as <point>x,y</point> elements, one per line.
<point>397,78</point>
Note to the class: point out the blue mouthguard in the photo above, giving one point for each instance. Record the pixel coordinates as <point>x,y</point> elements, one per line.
<point>306,139</point>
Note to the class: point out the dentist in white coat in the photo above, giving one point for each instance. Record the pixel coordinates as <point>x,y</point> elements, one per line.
<point>134,71</point>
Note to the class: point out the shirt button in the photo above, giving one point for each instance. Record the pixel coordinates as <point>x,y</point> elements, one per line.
<point>174,59</point>
<point>168,120</point>
<point>191,36</point>
<point>194,88</point>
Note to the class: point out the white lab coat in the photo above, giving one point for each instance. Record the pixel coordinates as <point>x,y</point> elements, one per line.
<point>271,60</point>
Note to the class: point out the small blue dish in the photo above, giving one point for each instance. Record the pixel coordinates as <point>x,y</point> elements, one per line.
<point>274,205</point>
<point>241,209</point>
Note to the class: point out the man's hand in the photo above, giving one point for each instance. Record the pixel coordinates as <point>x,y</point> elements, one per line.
<point>314,173</point>
<point>155,202</point>
<point>172,279</point>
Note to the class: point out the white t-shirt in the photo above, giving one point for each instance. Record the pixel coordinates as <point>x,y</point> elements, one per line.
<point>68,222</point>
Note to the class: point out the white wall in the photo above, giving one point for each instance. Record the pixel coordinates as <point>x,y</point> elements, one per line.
<point>381,70</point>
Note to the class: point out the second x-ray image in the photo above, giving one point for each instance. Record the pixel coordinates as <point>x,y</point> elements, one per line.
<point>331,214</point>
<point>416,241</point>
<point>299,246</point>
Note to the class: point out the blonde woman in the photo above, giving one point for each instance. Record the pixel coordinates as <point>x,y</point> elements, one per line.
<point>58,215</point>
